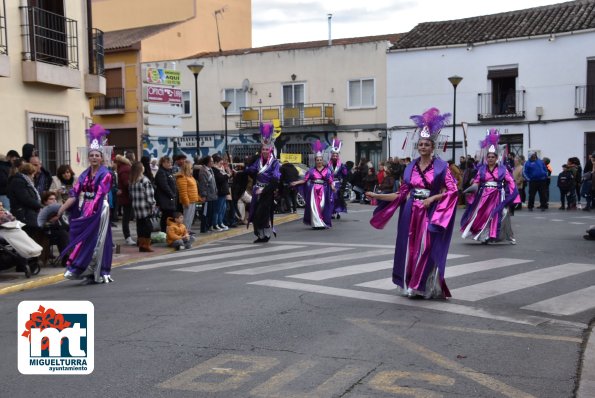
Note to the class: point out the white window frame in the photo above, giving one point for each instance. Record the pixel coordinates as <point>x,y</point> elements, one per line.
<point>360,106</point>
<point>189,114</point>
<point>31,116</point>
<point>233,108</point>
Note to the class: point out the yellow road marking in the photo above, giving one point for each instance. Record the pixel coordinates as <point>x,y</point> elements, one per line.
<point>385,381</point>
<point>440,360</point>
<point>505,333</point>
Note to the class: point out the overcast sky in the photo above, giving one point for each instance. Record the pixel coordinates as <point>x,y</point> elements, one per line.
<point>289,21</point>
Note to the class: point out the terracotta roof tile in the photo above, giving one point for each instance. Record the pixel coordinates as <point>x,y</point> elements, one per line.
<point>127,37</point>
<point>300,46</point>
<point>557,18</point>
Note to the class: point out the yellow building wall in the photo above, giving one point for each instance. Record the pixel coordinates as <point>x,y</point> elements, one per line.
<point>130,118</point>
<point>200,34</point>
<point>109,15</point>
<point>18,98</point>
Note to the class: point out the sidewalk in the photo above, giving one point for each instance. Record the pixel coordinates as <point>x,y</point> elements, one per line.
<point>11,282</point>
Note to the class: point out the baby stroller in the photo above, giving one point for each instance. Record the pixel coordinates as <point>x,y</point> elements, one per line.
<point>18,250</point>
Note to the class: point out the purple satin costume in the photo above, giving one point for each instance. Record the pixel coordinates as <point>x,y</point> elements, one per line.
<point>319,198</point>
<point>339,172</point>
<point>423,235</point>
<point>90,231</point>
<point>483,217</point>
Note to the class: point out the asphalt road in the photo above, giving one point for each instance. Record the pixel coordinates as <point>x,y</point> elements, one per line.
<point>288,319</point>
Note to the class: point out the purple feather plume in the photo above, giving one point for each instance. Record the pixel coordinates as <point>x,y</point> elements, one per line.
<point>317,146</point>
<point>97,132</point>
<point>266,131</point>
<point>492,138</point>
<point>432,119</point>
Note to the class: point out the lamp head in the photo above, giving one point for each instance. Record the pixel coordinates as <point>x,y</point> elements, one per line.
<point>225,104</point>
<point>195,68</point>
<point>455,80</point>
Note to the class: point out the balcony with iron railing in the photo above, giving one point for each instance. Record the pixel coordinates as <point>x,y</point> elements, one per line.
<point>94,79</point>
<point>509,107</point>
<point>111,103</point>
<point>302,115</point>
<point>50,48</point>
<point>584,100</point>
<point>4,62</point>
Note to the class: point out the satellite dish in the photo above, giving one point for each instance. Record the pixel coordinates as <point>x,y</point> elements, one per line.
<point>246,85</point>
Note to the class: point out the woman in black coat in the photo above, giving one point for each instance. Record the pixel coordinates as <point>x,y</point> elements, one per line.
<point>25,201</point>
<point>165,190</point>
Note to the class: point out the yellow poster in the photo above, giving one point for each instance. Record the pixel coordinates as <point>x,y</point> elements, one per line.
<point>291,157</point>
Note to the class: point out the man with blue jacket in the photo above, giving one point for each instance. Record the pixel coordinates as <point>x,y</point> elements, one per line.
<point>536,173</point>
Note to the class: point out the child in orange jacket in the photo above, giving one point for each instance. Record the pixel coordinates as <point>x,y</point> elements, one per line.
<point>177,234</point>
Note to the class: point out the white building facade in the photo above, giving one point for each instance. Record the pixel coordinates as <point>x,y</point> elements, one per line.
<point>316,90</point>
<point>539,91</point>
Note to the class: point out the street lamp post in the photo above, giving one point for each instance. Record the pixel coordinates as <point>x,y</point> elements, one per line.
<point>195,69</point>
<point>454,80</point>
<point>225,105</point>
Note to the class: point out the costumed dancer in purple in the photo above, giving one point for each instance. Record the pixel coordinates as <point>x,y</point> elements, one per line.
<point>265,174</point>
<point>318,191</point>
<point>339,172</point>
<point>427,200</point>
<point>487,218</point>
<point>90,249</point>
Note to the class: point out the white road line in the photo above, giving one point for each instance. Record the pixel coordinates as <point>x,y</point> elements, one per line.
<point>354,245</point>
<point>577,223</point>
<point>313,261</point>
<point>228,254</point>
<point>566,304</point>
<point>485,290</point>
<point>451,271</point>
<point>556,219</point>
<point>464,269</point>
<point>344,271</point>
<point>353,269</point>
<point>443,306</point>
<point>199,250</point>
<point>252,260</point>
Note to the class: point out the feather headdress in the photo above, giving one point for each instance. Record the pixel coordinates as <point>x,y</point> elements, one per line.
<point>318,148</point>
<point>267,136</point>
<point>336,146</point>
<point>429,124</point>
<point>490,144</point>
<point>96,141</point>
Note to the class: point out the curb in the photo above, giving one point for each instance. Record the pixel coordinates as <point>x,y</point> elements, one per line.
<point>586,378</point>
<point>52,279</point>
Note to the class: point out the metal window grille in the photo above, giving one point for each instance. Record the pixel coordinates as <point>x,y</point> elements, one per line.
<point>239,151</point>
<point>303,149</point>
<point>97,54</point>
<point>51,138</point>
<point>113,99</point>
<point>49,37</point>
<point>3,41</point>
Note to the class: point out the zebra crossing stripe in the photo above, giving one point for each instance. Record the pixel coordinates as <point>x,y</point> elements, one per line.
<point>470,268</point>
<point>200,250</point>
<point>566,304</point>
<point>312,261</point>
<point>352,270</point>
<point>525,280</point>
<point>228,253</point>
<point>442,306</point>
<point>344,271</point>
<point>452,271</point>
<point>251,260</point>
